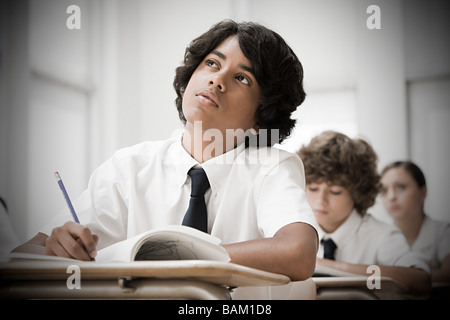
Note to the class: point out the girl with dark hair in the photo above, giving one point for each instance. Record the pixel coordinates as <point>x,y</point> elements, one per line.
<point>403,192</point>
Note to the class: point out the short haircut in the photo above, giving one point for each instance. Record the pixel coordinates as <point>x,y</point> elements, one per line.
<point>278,72</point>
<point>334,158</point>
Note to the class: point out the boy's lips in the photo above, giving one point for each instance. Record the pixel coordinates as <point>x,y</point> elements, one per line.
<point>394,207</point>
<point>209,95</point>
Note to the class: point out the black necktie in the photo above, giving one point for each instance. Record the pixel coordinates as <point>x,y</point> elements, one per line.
<point>329,247</point>
<point>196,216</point>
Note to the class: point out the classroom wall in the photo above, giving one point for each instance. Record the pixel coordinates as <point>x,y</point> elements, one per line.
<point>427,73</point>
<point>70,98</point>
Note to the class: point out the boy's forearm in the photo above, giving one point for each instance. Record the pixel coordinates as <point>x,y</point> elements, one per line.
<point>443,273</point>
<point>290,252</point>
<point>263,255</point>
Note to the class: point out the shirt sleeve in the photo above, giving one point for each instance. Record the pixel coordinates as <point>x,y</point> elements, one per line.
<point>282,199</point>
<point>102,207</point>
<point>394,251</point>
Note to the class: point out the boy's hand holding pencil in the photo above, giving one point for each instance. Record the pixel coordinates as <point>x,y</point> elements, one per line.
<point>72,240</point>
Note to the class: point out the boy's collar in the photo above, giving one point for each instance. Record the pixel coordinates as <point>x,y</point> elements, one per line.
<point>216,168</point>
<point>345,231</point>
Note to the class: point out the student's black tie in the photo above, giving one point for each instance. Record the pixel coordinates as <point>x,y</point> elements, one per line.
<point>329,247</point>
<point>196,215</point>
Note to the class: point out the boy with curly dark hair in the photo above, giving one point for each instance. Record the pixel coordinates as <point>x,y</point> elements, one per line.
<point>237,82</point>
<point>342,182</point>
<point>275,67</point>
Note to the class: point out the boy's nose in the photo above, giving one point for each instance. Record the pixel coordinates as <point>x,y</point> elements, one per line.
<point>218,82</point>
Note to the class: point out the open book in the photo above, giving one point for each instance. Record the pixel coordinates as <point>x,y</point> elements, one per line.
<point>173,242</point>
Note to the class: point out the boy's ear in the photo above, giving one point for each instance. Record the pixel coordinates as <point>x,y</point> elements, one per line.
<point>255,129</point>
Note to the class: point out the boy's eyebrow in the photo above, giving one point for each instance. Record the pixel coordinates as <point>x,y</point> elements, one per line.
<point>219,54</point>
<point>242,66</point>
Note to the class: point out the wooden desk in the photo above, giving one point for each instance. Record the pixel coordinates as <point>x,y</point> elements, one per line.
<point>339,285</point>
<point>188,279</point>
<point>355,288</point>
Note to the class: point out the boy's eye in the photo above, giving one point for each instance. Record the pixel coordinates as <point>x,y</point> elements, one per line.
<point>211,63</point>
<point>243,79</point>
<point>336,190</point>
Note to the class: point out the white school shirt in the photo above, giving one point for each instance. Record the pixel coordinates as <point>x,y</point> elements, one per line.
<point>254,192</point>
<point>433,241</point>
<point>366,240</point>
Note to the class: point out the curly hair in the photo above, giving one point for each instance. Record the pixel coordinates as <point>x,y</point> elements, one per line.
<point>334,158</point>
<point>278,72</point>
